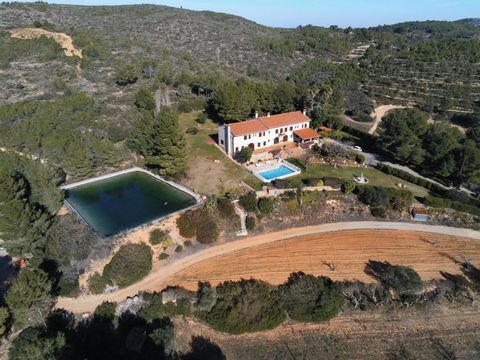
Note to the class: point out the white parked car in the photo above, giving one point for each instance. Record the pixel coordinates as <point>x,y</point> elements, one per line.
<point>357,148</point>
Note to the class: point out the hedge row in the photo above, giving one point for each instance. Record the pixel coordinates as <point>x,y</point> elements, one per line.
<point>410,178</point>
<point>452,198</point>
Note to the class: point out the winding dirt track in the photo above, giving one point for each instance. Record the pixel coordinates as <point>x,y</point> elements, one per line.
<point>272,257</point>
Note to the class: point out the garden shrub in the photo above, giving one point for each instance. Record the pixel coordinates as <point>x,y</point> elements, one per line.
<point>167,242</point>
<point>202,118</point>
<point>157,236</point>
<point>179,249</point>
<point>207,231</point>
<point>308,298</point>
<point>266,205</point>
<point>250,223</point>
<point>314,182</point>
<point>348,187</point>
<point>163,256</point>
<point>401,279</point>
<point>245,306</point>
<point>359,158</point>
<point>192,131</point>
<point>131,263</point>
<point>186,223</point>
<point>198,223</point>
<point>96,283</point>
<point>249,201</point>
<point>374,196</point>
<point>226,209</point>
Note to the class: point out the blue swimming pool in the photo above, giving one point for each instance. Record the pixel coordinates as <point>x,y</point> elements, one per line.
<point>282,170</point>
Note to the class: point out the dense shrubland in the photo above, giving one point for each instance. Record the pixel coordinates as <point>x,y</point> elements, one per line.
<point>63,131</point>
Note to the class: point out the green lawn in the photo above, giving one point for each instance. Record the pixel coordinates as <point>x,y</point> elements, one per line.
<point>209,170</point>
<point>374,176</point>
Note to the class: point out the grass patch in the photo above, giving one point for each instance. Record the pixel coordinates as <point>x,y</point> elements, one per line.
<point>204,157</point>
<point>375,177</point>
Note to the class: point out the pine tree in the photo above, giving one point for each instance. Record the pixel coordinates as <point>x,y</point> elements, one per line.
<point>29,298</point>
<point>22,224</point>
<point>160,141</point>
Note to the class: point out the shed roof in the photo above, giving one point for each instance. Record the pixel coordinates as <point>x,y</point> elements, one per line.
<point>306,134</point>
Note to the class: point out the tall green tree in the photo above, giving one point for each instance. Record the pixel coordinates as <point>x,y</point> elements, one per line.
<point>35,343</point>
<point>144,99</point>
<point>468,162</point>
<point>29,298</point>
<point>160,141</point>
<point>22,224</point>
<point>441,143</point>
<point>400,134</point>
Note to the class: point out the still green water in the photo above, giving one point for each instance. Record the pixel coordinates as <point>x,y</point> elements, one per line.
<point>126,201</point>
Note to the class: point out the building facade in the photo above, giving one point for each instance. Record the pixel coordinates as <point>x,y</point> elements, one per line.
<point>262,132</point>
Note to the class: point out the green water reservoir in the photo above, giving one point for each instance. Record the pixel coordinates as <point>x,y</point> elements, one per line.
<point>126,201</point>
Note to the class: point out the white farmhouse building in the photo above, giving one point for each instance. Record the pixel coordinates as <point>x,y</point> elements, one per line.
<point>266,131</point>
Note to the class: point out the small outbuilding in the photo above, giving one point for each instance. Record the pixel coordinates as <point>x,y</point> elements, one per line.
<point>305,137</point>
<point>419,213</point>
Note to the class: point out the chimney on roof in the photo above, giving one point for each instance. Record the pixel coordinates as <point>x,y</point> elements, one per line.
<point>268,114</point>
<point>256,114</point>
<point>304,111</point>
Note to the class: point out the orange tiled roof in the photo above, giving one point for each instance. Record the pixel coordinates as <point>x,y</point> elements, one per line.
<point>325,129</point>
<point>285,119</point>
<point>246,127</point>
<point>306,134</point>
<point>267,122</point>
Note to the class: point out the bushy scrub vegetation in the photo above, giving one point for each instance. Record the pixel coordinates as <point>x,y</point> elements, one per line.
<point>402,279</point>
<point>199,223</point>
<point>308,298</point>
<point>385,198</point>
<point>266,205</point>
<point>225,207</point>
<point>157,236</point>
<point>250,223</point>
<point>63,131</point>
<point>130,263</point>
<point>154,307</point>
<point>249,201</point>
<point>245,306</point>
<point>44,49</point>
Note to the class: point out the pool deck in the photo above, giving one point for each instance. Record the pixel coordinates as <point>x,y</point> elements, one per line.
<point>271,165</point>
<point>197,197</point>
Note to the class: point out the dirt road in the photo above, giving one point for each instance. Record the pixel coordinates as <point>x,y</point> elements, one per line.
<point>166,276</point>
<point>379,113</point>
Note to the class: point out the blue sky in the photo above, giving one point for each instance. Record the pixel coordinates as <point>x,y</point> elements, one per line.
<point>355,13</point>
